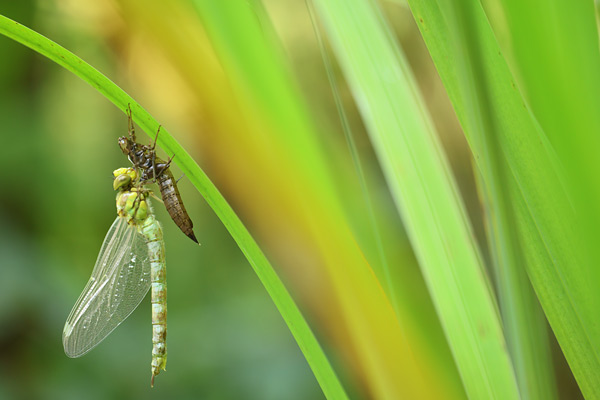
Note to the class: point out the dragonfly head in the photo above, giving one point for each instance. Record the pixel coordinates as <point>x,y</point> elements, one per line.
<point>125,145</point>
<point>124,178</point>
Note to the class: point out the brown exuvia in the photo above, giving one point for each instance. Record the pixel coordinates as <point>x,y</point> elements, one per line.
<point>153,169</point>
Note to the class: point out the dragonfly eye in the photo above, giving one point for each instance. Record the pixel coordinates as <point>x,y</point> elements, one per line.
<point>121,181</point>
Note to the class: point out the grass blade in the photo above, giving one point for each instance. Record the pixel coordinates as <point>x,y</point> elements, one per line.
<point>560,79</point>
<point>556,260</point>
<point>523,320</point>
<point>425,194</point>
<point>279,294</point>
<point>389,354</point>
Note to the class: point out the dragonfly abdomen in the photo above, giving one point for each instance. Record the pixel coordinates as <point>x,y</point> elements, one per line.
<point>158,286</point>
<point>174,204</point>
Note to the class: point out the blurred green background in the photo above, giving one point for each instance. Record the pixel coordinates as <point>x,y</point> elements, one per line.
<point>226,340</point>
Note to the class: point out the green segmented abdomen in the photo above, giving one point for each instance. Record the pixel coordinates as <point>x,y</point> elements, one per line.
<point>152,231</point>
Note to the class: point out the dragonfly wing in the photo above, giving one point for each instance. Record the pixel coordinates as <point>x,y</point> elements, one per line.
<point>119,282</point>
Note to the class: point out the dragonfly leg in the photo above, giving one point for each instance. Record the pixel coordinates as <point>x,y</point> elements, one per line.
<point>155,138</point>
<point>158,171</point>
<point>156,197</point>
<point>163,167</point>
<point>167,164</point>
<point>130,126</point>
<point>153,152</point>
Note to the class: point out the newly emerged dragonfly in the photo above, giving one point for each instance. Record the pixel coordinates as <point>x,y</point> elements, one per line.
<point>131,261</point>
<point>153,169</point>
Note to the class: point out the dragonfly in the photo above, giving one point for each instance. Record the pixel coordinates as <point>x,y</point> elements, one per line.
<point>130,262</point>
<point>153,169</point>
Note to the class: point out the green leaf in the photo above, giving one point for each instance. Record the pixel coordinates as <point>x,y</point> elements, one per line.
<point>425,193</point>
<point>523,319</point>
<point>542,203</point>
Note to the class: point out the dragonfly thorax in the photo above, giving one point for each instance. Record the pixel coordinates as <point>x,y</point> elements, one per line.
<point>131,198</point>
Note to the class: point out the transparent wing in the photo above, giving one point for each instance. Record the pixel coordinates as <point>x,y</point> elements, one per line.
<point>119,282</point>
